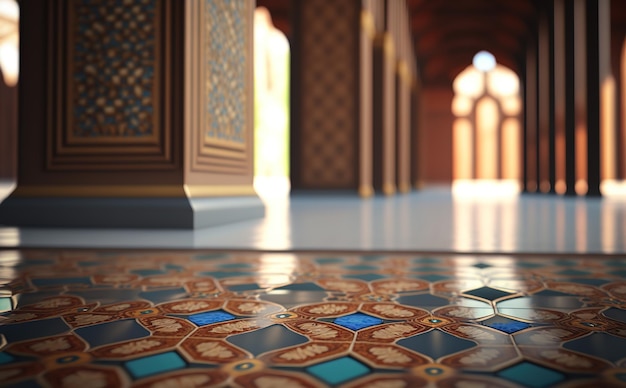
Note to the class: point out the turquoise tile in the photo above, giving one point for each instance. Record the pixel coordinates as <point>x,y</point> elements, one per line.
<point>432,278</point>
<point>160,363</point>
<point>368,277</point>
<point>338,371</point>
<point>531,375</point>
<point>360,267</point>
<point>226,274</point>
<point>234,265</point>
<point>329,260</point>
<point>573,272</point>
<point>5,358</point>
<point>5,304</point>
<point>148,272</point>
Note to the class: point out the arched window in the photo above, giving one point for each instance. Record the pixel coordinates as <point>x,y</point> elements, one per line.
<point>486,133</point>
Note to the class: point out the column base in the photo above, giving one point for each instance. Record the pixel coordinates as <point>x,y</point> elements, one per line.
<point>144,213</point>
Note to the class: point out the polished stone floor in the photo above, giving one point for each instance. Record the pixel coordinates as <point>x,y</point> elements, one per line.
<point>430,220</point>
<point>165,318</point>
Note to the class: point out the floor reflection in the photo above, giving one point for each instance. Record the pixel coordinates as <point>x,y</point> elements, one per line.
<point>433,219</point>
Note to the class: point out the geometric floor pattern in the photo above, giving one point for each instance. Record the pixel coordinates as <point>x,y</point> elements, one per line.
<point>242,319</point>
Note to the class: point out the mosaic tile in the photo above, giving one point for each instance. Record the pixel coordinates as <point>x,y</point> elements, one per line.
<point>217,318</point>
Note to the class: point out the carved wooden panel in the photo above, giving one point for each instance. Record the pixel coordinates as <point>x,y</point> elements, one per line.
<point>328,100</point>
<point>223,74</point>
<point>109,85</point>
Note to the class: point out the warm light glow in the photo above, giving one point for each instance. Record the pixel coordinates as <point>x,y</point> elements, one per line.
<point>487,121</point>
<point>510,148</point>
<point>462,105</point>
<point>581,187</point>
<point>502,82</point>
<point>486,132</point>
<point>9,41</point>
<point>511,106</point>
<point>271,102</point>
<point>560,187</point>
<point>607,128</point>
<point>469,83</point>
<point>485,188</point>
<point>484,61</point>
<point>581,159</point>
<point>463,155</point>
<point>611,188</point>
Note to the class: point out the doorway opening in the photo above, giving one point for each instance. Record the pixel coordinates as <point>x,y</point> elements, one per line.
<point>271,107</point>
<point>486,129</point>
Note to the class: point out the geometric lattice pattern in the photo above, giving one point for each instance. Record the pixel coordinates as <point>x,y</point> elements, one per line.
<point>226,58</point>
<point>328,110</point>
<point>113,59</point>
<point>160,318</point>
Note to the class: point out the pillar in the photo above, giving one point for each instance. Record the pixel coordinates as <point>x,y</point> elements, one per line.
<point>385,162</point>
<point>543,100</point>
<point>8,130</point>
<point>331,138</point>
<point>134,113</point>
<point>570,99</point>
<point>530,122</point>
<point>558,71</point>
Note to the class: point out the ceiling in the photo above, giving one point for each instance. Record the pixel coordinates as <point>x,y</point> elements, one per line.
<point>448,33</point>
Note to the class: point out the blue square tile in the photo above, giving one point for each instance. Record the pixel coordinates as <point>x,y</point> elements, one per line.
<point>338,371</point>
<point>531,375</point>
<point>160,363</point>
<point>210,317</point>
<point>357,321</point>
<point>505,325</point>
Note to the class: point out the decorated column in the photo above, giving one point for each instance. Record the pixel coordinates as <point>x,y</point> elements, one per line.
<point>134,113</point>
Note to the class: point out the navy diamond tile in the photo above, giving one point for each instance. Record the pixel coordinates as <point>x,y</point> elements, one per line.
<point>488,293</point>
<point>601,345</point>
<point>270,338</point>
<point>436,344</point>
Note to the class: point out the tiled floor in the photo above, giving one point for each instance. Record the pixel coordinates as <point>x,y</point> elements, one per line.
<point>207,318</point>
